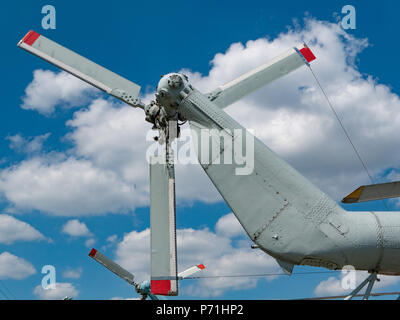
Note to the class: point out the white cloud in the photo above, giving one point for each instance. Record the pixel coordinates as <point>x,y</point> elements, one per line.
<point>229,226</point>
<point>49,89</point>
<point>111,242</point>
<point>112,239</point>
<point>66,187</point>
<point>13,267</point>
<point>29,145</point>
<point>12,229</point>
<point>330,287</point>
<point>114,138</point>
<point>333,285</point>
<point>72,273</point>
<point>133,253</point>
<point>214,250</point>
<point>90,242</point>
<point>106,171</point>
<point>62,290</point>
<point>292,117</point>
<point>75,228</point>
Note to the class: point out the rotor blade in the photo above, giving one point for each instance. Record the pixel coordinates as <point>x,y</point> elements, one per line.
<point>82,68</point>
<point>191,271</point>
<point>112,266</point>
<point>374,192</point>
<point>255,79</point>
<point>377,294</point>
<point>163,229</point>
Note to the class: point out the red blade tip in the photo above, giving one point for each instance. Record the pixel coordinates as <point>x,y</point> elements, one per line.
<point>307,54</point>
<point>93,252</point>
<point>30,37</point>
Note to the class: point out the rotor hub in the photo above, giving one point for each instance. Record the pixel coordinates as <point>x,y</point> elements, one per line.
<point>169,89</point>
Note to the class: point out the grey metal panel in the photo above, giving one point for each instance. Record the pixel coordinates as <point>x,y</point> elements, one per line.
<point>286,267</point>
<point>83,68</point>
<point>275,204</point>
<point>287,216</point>
<point>374,192</point>
<point>389,224</point>
<point>163,229</point>
<point>251,81</point>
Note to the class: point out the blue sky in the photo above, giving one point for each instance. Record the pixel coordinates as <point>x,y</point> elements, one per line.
<point>141,41</point>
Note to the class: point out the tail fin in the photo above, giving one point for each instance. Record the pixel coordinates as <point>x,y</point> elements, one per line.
<point>274,203</point>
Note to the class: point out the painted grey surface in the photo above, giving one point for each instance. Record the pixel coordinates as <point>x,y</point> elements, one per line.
<point>374,192</point>
<point>84,69</point>
<point>113,267</point>
<point>162,240</point>
<point>287,216</point>
<point>253,80</point>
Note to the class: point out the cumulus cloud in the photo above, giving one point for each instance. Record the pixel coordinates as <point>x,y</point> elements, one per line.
<point>90,242</point>
<point>117,139</point>
<point>29,145</point>
<point>333,285</point>
<point>13,267</point>
<point>72,273</point>
<point>75,228</point>
<point>292,117</point>
<point>67,187</point>
<point>49,89</point>
<point>229,226</point>
<point>112,239</point>
<point>12,229</point>
<point>111,242</point>
<point>106,170</point>
<point>218,252</point>
<point>61,290</point>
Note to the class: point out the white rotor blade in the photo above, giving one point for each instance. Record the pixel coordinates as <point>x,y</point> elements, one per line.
<point>82,68</point>
<point>191,271</point>
<point>112,266</point>
<point>249,82</point>
<point>374,192</point>
<point>163,230</point>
